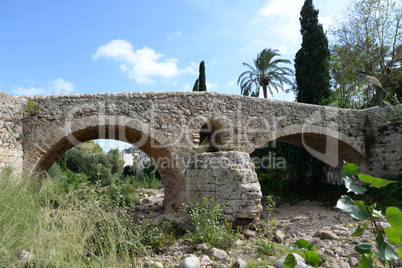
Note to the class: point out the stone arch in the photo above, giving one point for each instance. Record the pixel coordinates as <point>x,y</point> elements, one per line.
<point>326,144</point>
<point>215,130</point>
<point>50,141</point>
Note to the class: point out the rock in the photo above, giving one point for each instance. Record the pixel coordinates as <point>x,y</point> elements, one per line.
<point>315,241</point>
<point>297,218</point>
<point>325,235</point>
<point>353,261</point>
<point>279,251</point>
<point>323,257</point>
<point>190,262</point>
<point>329,252</point>
<point>338,251</point>
<point>219,255</point>
<point>299,259</point>
<point>146,201</point>
<point>279,236</point>
<point>249,234</point>
<point>203,246</point>
<point>153,264</point>
<point>205,260</point>
<point>383,225</point>
<point>240,263</point>
<point>343,264</point>
<point>238,243</point>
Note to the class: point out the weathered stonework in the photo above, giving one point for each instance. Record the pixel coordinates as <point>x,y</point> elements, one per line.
<point>11,111</point>
<point>168,127</point>
<point>383,143</point>
<point>227,177</point>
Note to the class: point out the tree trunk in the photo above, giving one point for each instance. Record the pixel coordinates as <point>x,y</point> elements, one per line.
<point>264,89</point>
<point>379,96</point>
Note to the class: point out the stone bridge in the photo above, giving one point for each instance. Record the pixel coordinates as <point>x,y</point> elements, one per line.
<point>199,141</point>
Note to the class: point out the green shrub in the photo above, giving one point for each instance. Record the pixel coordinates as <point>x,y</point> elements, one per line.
<point>159,236</point>
<point>209,226</point>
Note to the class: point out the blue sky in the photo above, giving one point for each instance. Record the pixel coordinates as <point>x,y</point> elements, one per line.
<point>94,46</point>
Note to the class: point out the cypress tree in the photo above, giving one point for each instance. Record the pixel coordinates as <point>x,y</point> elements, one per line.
<point>196,86</point>
<point>201,79</point>
<point>312,60</point>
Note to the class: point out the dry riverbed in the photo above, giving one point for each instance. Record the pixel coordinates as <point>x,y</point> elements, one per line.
<point>318,223</point>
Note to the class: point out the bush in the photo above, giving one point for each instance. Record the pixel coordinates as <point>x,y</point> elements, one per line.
<point>209,226</point>
<point>159,236</point>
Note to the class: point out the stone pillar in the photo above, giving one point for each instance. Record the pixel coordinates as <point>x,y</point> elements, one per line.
<point>11,136</point>
<point>227,177</point>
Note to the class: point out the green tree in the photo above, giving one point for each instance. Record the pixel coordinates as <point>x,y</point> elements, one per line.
<point>74,160</point>
<point>266,73</point>
<point>90,147</point>
<point>202,80</point>
<point>115,160</point>
<point>312,59</point>
<point>196,86</point>
<point>368,43</point>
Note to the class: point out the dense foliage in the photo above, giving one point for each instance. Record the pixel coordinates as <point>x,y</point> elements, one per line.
<point>367,46</point>
<point>312,59</point>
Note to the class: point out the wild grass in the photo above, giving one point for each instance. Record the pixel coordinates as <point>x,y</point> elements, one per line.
<point>60,230</point>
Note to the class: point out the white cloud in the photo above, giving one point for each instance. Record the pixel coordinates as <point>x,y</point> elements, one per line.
<point>186,87</point>
<point>29,91</point>
<point>171,36</point>
<point>140,64</point>
<point>211,85</point>
<point>233,82</point>
<point>59,86</point>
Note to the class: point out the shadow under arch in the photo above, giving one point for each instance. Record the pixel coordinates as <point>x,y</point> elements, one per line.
<point>213,133</point>
<point>65,136</point>
<point>327,145</point>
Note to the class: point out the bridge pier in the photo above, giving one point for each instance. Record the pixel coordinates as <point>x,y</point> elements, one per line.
<point>227,177</point>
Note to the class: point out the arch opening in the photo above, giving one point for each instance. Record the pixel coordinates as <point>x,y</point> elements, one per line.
<point>49,148</point>
<point>213,136</point>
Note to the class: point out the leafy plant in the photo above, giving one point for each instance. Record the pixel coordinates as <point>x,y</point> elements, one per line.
<point>32,108</point>
<point>361,211</point>
<point>209,226</point>
<point>159,236</point>
<point>309,254</point>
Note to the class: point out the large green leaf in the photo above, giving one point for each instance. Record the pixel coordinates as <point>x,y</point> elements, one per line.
<point>303,245</point>
<point>400,252</point>
<point>363,247</point>
<point>394,233</point>
<point>346,203</point>
<point>386,251</point>
<point>365,261</point>
<point>359,230</point>
<point>374,182</point>
<point>394,217</point>
<point>290,261</point>
<point>352,187</point>
<point>313,258</point>
<point>349,169</point>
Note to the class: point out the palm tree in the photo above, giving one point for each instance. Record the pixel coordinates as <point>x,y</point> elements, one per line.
<point>266,74</point>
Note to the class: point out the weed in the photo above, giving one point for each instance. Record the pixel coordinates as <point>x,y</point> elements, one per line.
<point>32,108</point>
<point>209,226</point>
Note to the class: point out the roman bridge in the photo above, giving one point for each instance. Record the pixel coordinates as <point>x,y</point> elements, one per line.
<point>199,141</point>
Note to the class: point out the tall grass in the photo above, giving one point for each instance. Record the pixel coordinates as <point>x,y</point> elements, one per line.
<point>60,230</point>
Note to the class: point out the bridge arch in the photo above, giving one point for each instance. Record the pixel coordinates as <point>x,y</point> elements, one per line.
<point>54,139</point>
<point>328,145</point>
